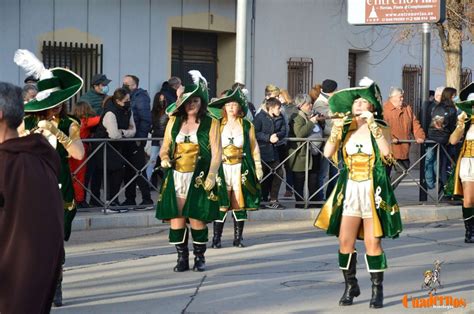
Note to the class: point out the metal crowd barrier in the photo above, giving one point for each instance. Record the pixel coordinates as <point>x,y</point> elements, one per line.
<point>303,143</point>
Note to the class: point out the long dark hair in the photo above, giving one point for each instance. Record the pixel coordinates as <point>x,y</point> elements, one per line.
<point>201,113</point>
<point>119,94</point>
<point>159,107</point>
<point>447,96</point>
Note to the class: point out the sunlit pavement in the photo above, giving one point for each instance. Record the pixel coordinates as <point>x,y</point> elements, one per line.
<point>287,267</point>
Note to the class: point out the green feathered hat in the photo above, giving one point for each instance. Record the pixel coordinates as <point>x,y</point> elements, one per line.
<point>466,101</point>
<point>237,95</point>
<point>55,86</point>
<point>198,88</point>
<point>341,101</point>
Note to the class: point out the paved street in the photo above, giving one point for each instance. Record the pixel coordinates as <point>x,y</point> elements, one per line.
<point>287,267</point>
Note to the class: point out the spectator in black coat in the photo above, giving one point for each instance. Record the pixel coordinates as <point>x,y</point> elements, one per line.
<point>269,129</point>
<point>169,89</point>
<point>134,152</point>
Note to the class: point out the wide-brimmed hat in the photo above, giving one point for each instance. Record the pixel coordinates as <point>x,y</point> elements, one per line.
<point>197,89</point>
<point>55,86</point>
<point>341,101</point>
<point>465,102</point>
<point>237,95</point>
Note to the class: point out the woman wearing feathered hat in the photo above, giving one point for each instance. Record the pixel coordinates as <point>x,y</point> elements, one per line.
<point>362,205</point>
<point>241,163</point>
<point>191,154</point>
<point>464,174</point>
<point>46,114</point>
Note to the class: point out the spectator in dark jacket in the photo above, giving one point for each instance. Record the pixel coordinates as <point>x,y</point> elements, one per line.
<point>169,89</point>
<point>267,137</point>
<point>159,121</point>
<point>135,151</point>
<point>96,95</point>
<point>443,123</point>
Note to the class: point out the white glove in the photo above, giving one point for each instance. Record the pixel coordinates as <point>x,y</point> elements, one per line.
<point>368,116</point>
<point>165,163</point>
<point>210,181</point>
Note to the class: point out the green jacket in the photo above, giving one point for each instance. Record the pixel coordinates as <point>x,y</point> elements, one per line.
<point>199,204</point>
<point>301,127</point>
<point>65,178</point>
<point>95,100</point>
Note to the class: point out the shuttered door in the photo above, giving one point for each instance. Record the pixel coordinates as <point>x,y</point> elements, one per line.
<point>195,51</point>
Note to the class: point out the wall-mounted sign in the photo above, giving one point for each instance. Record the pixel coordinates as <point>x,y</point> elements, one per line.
<point>377,12</point>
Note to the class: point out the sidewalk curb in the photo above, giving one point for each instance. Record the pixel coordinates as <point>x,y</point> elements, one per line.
<point>96,221</point>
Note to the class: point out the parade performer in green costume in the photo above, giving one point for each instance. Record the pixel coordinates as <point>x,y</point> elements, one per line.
<point>241,163</point>
<point>191,154</point>
<point>47,114</point>
<point>464,174</point>
<point>362,205</point>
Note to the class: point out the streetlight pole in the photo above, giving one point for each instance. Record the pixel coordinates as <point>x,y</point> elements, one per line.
<point>425,90</point>
<point>240,45</point>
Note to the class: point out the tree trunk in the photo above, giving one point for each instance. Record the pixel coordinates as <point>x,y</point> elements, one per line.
<point>453,58</point>
<point>450,34</point>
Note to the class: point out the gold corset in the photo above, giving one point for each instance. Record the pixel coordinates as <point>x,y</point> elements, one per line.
<point>233,155</point>
<point>360,166</point>
<point>469,150</point>
<point>185,156</point>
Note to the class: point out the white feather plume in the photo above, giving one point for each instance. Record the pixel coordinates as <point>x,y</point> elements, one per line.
<point>32,66</point>
<point>245,92</point>
<point>196,75</point>
<point>470,96</point>
<point>365,81</point>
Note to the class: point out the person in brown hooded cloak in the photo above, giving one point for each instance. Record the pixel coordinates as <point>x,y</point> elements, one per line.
<point>31,213</point>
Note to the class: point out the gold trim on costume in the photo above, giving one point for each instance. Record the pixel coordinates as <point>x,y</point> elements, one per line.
<point>233,155</point>
<point>185,156</point>
<point>360,166</point>
<point>469,149</point>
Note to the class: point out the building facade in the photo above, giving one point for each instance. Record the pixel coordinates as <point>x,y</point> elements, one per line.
<point>292,44</point>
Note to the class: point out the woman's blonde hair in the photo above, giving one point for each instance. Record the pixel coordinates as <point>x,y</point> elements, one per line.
<point>286,96</point>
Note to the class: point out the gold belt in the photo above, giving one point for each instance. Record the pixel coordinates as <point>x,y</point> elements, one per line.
<point>360,166</point>
<point>233,155</point>
<point>469,150</point>
<point>185,156</point>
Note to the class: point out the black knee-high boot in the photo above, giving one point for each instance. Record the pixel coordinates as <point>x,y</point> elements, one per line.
<point>348,263</point>
<point>467,213</point>
<point>58,293</point>
<point>216,239</point>
<point>376,265</point>
<point>179,237</point>
<point>238,230</point>
<point>200,238</point>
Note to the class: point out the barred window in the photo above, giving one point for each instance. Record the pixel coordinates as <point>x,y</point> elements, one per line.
<point>412,86</point>
<point>84,59</point>
<point>300,75</point>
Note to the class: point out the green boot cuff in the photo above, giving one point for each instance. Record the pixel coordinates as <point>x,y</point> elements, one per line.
<point>345,259</point>
<point>376,263</point>
<point>240,215</point>
<point>467,212</point>
<point>178,236</point>
<point>222,216</point>
<point>200,236</point>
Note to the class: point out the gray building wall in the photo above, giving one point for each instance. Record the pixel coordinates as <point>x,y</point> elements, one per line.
<point>137,38</point>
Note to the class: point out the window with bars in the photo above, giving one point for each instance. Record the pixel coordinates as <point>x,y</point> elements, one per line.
<point>84,59</point>
<point>300,75</point>
<point>412,86</point>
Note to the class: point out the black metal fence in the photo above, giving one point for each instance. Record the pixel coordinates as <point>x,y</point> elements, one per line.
<point>307,199</point>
